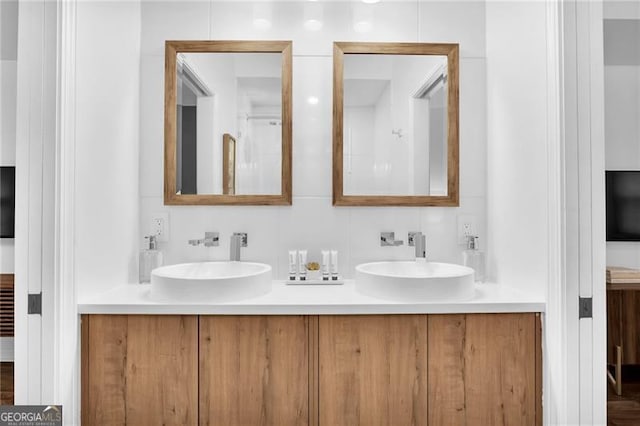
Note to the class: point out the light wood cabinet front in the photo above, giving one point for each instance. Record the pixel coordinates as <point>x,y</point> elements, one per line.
<point>139,370</point>
<point>396,370</point>
<point>254,370</point>
<point>484,369</point>
<point>373,370</point>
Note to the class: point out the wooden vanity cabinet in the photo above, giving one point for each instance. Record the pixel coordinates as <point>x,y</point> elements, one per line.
<point>312,370</point>
<point>473,369</point>
<point>254,370</point>
<point>139,370</point>
<point>373,370</point>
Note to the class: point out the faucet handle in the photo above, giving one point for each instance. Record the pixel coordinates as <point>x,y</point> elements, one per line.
<point>244,238</point>
<point>211,239</point>
<point>389,239</point>
<point>412,237</point>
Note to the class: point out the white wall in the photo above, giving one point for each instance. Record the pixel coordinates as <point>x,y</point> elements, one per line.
<point>107,135</point>
<point>517,166</point>
<point>622,113</point>
<point>311,222</point>
<point>8,85</point>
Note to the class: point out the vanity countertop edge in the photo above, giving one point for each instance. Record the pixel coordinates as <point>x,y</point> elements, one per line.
<point>309,300</point>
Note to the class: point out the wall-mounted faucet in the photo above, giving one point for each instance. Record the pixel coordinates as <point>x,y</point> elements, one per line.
<point>419,241</point>
<point>389,239</point>
<point>211,239</point>
<point>238,240</point>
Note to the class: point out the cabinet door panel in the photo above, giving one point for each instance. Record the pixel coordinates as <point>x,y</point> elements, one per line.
<point>373,370</point>
<point>630,324</point>
<point>482,369</point>
<point>139,370</point>
<point>254,370</point>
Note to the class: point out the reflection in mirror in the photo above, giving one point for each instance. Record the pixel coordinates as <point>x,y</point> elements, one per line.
<point>234,94</point>
<point>397,140</point>
<point>228,122</point>
<point>395,125</point>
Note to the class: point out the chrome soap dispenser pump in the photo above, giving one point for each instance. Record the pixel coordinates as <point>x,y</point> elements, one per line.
<point>150,258</point>
<point>474,258</point>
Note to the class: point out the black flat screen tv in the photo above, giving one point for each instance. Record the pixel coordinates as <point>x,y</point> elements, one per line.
<point>7,201</point>
<point>623,205</point>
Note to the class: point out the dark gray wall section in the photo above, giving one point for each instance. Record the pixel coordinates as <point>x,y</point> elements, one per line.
<point>622,41</point>
<point>189,150</point>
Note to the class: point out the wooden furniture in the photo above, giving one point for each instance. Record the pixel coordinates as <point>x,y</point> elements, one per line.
<point>312,370</point>
<point>451,51</point>
<point>7,295</point>
<point>139,369</point>
<point>623,322</point>
<point>172,49</point>
<point>254,370</point>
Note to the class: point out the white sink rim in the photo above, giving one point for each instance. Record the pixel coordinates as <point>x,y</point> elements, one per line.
<point>367,269</point>
<point>166,271</point>
<point>446,283</point>
<point>210,282</point>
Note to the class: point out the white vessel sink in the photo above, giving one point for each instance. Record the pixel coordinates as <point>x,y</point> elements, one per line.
<point>210,281</point>
<point>415,281</point>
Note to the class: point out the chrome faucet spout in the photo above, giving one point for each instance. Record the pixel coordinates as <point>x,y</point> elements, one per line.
<point>421,246</point>
<point>238,240</point>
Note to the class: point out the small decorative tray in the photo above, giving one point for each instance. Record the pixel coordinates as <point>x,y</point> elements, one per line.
<point>316,281</point>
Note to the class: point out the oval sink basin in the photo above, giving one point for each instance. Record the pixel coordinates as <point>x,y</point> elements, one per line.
<point>210,281</point>
<point>415,281</point>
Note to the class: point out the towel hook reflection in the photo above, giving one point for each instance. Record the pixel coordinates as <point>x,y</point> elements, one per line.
<point>397,132</point>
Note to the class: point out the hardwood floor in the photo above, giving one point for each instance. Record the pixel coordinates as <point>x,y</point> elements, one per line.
<point>6,383</point>
<point>624,410</point>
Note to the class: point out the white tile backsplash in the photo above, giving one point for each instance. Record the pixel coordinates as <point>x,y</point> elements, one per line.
<point>151,126</point>
<point>473,127</point>
<point>172,20</point>
<point>368,222</point>
<point>454,22</point>
<point>391,21</point>
<point>311,222</point>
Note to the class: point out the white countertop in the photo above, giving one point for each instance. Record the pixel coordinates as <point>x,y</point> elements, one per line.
<point>310,300</point>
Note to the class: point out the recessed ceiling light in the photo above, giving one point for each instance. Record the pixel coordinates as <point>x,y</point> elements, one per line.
<point>313,24</point>
<point>313,16</point>
<point>313,100</point>
<point>262,16</point>
<point>370,1</point>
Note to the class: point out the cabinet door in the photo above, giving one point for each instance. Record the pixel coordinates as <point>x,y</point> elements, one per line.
<point>614,324</point>
<point>254,370</point>
<point>484,369</point>
<point>139,370</point>
<point>629,330</point>
<point>373,370</point>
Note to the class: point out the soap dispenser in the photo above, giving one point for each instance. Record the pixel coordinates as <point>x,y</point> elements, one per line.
<point>150,258</point>
<point>474,258</point>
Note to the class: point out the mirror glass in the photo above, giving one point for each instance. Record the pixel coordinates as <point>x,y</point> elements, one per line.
<point>395,124</point>
<point>395,127</point>
<point>228,123</point>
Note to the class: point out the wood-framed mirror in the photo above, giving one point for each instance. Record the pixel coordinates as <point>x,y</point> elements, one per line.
<point>395,124</point>
<point>227,123</point>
